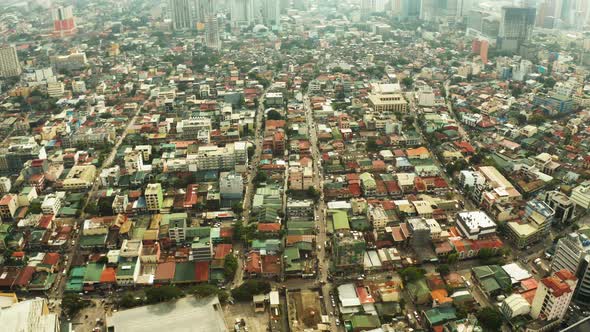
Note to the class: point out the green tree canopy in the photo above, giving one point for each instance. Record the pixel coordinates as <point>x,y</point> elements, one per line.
<point>230,266</point>
<point>250,288</point>
<point>274,115</point>
<point>490,319</point>
<point>162,294</point>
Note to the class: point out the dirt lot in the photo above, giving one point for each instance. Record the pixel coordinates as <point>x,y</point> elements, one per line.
<point>255,321</point>
<point>307,309</point>
<point>86,319</point>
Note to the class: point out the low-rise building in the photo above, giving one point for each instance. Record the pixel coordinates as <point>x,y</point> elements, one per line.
<point>475,224</point>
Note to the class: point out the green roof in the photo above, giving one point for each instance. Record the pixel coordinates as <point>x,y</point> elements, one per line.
<point>184,272</point>
<point>126,268</point>
<point>440,315</point>
<point>419,290</point>
<point>492,277</point>
<point>368,180</point>
<point>200,232</point>
<point>340,220</point>
<point>307,225</point>
<point>365,322</point>
<point>269,244</point>
<point>93,240</point>
<point>490,285</point>
<point>77,272</point>
<point>93,272</point>
<point>292,258</point>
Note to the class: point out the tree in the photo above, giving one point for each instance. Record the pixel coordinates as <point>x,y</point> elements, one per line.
<point>91,208</point>
<point>204,290</point>
<point>230,265</point>
<point>490,319</point>
<point>411,274</point>
<point>35,207</point>
<point>372,145</point>
<point>407,81</point>
<point>162,294</point>
<point>128,300</point>
<point>313,193</point>
<point>72,304</point>
<point>549,83</point>
<point>250,288</point>
<point>274,115</point>
<point>452,258</point>
<point>237,208</point>
<point>443,269</point>
<point>485,253</point>
<point>260,177</point>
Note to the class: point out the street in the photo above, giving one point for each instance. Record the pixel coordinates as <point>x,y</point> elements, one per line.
<point>323,261</point>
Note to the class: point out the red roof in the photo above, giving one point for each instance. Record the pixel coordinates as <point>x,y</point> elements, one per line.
<point>165,271</point>
<point>226,232</point>
<point>51,258</point>
<point>556,285</point>
<point>18,254</point>
<point>202,271</point>
<point>253,263</point>
<point>465,146</point>
<point>269,227</point>
<point>45,221</point>
<point>108,275</point>
<point>222,250</point>
<point>25,276</point>
<point>392,187</point>
<point>396,233</point>
<point>355,189</point>
<point>364,295</point>
<point>270,264</point>
<point>190,198</point>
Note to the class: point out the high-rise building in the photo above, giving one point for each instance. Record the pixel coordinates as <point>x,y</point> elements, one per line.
<point>516,27</point>
<point>64,22</point>
<point>573,253</point>
<point>561,204</point>
<point>181,14</point>
<point>9,65</point>
<point>154,197</point>
<point>212,32</point>
<point>553,296</point>
<point>212,39</point>
<point>242,12</point>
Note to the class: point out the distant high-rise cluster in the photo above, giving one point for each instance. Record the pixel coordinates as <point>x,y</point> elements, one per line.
<point>64,22</point>
<point>563,13</point>
<point>181,13</point>
<point>242,12</point>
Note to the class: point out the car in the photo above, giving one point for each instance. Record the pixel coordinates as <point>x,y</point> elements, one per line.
<point>337,322</point>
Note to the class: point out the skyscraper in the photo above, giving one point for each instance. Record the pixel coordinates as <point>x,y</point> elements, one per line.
<point>181,14</point>
<point>9,65</point>
<point>63,21</point>
<point>242,12</point>
<point>211,25</point>
<point>516,27</point>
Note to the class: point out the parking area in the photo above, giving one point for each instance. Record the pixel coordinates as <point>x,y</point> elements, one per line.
<point>255,321</point>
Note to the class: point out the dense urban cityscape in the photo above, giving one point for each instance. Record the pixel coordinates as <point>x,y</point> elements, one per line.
<point>295,165</point>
